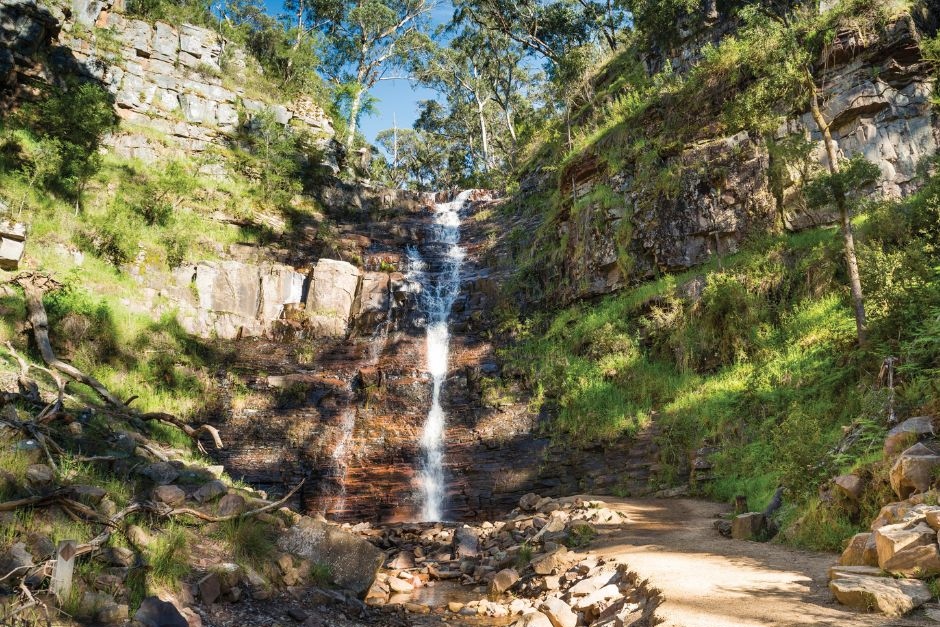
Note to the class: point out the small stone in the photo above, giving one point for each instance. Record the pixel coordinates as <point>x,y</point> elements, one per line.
<point>503,581</point>
<point>120,556</point>
<point>39,475</point>
<point>87,494</point>
<point>231,505</point>
<point>559,613</point>
<point>155,612</point>
<point>529,502</point>
<point>137,536</point>
<point>454,606</point>
<point>535,619</point>
<point>113,613</point>
<point>161,473</point>
<point>210,588</point>
<point>169,494</point>
<point>210,491</point>
<point>297,614</point>
<point>400,585</point>
<point>553,561</point>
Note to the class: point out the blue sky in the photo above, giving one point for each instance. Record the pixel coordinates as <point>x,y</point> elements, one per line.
<point>398,99</point>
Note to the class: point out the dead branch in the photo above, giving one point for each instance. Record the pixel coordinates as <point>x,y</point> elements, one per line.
<point>9,506</point>
<point>189,430</point>
<point>217,519</point>
<point>33,287</point>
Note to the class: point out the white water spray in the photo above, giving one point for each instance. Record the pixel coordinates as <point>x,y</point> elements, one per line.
<point>440,281</point>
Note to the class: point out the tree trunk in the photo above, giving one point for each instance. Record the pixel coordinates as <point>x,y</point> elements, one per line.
<point>353,115</point>
<point>484,135</point>
<point>851,260</point>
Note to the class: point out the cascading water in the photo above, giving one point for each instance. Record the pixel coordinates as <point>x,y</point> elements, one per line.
<point>438,273</point>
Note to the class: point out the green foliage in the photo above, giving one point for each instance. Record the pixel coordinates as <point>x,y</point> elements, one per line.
<point>271,154</point>
<point>853,176</point>
<point>250,541</point>
<point>55,147</point>
<point>167,554</point>
<point>321,574</point>
<point>175,12</point>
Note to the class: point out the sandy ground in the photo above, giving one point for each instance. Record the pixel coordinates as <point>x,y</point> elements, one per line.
<point>711,581</point>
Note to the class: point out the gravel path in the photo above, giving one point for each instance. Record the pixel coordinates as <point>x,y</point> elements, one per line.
<point>711,581</point>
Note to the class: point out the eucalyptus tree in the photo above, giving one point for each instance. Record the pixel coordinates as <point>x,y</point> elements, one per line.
<point>367,39</point>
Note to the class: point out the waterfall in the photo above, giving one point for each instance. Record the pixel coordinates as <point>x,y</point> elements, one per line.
<point>438,273</point>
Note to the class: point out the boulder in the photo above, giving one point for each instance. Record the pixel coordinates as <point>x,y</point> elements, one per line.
<point>17,561</point>
<point>528,502</point>
<point>908,551</point>
<point>466,542</point>
<point>748,526</point>
<point>231,504</point>
<point>849,486</point>
<point>210,491</point>
<point>155,612</point>
<point>914,470</point>
<point>503,581</point>
<point>535,619</point>
<point>353,561</point>
<point>907,433</point>
<point>559,613</point>
<point>169,494</point>
<point>161,473</point>
<point>861,551</point>
<point>334,286</point>
<point>39,475</point>
<point>553,561</point>
<point>893,597</point>
<point>210,588</point>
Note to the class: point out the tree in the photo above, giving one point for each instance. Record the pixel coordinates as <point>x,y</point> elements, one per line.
<point>366,40</point>
<point>787,40</point>
<point>74,139</point>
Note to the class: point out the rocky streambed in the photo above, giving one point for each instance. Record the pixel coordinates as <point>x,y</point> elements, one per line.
<point>535,568</point>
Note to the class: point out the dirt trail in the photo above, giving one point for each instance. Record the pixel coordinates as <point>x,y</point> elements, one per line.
<point>711,581</point>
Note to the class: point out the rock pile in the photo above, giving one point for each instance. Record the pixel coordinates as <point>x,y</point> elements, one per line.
<point>530,566</point>
<point>881,570</point>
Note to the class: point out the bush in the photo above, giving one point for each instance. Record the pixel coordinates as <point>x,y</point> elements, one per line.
<point>68,124</point>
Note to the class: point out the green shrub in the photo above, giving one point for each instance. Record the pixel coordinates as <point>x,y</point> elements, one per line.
<point>68,124</point>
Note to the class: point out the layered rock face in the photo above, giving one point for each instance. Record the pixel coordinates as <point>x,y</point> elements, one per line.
<point>349,418</point>
<point>163,78</point>
<point>876,93</point>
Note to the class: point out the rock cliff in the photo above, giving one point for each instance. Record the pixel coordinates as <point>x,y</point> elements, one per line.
<point>876,91</point>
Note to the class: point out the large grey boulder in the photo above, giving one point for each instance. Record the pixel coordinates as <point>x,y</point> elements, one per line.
<point>334,286</point>
<point>907,433</point>
<point>914,470</point>
<point>894,597</point>
<point>353,561</point>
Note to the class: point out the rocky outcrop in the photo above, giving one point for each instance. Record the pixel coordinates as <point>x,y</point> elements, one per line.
<point>165,79</point>
<point>26,29</point>
<point>615,228</point>
<point>334,286</point>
